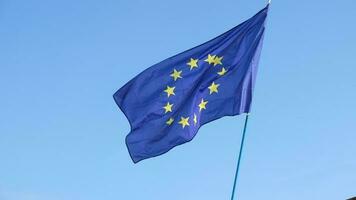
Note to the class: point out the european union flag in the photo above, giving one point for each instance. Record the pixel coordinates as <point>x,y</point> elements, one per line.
<point>168,102</point>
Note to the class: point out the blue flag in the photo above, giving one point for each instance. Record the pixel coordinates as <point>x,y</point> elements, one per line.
<point>167,103</point>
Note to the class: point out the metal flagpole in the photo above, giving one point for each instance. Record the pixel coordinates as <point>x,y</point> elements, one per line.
<point>239,159</point>
<point>241,148</point>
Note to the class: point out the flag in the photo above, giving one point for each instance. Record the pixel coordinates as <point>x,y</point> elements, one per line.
<point>167,103</point>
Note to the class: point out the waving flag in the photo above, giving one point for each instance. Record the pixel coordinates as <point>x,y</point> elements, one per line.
<point>168,102</point>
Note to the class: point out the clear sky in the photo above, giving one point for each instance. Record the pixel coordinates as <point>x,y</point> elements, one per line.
<point>62,136</point>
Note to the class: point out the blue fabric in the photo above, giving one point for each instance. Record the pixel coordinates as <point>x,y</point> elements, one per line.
<point>143,98</point>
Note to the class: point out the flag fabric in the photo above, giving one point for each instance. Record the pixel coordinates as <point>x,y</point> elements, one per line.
<point>167,103</point>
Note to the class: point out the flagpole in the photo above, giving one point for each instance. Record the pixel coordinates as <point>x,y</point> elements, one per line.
<point>239,158</point>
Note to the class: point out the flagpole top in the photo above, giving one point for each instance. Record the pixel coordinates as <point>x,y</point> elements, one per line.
<point>269,1</point>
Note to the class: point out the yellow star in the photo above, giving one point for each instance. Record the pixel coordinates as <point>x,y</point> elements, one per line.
<point>195,119</point>
<point>222,72</point>
<point>202,105</point>
<point>217,60</point>
<point>213,88</point>
<point>176,74</point>
<point>193,63</point>
<point>170,121</point>
<point>184,121</point>
<point>210,59</point>
<point>168,107</point>
<point>170,91</point>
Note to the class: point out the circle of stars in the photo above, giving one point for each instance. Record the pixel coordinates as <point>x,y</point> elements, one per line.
<point>213,60</point>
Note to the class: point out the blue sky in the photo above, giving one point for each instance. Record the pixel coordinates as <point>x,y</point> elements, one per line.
<point>62,136</point>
